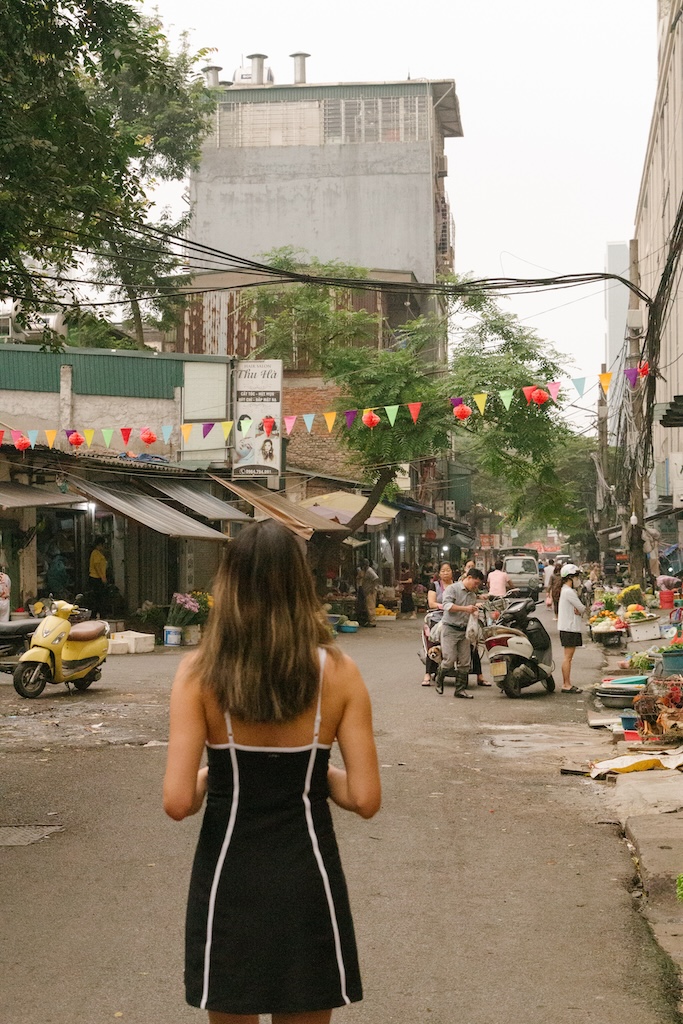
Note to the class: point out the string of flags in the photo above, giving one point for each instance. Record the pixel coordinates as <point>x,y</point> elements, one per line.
<point>370,417</point>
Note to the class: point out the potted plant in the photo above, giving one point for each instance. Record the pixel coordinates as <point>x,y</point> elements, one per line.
<point>181,614</point>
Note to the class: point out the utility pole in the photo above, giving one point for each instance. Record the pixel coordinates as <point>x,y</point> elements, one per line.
<point>637,510</point>
<point>601,491</point>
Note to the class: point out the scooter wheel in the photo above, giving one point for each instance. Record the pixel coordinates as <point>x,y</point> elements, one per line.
<point>549,684</point>
<point>510,686</point>
<point>24,682</point>
<point>84,683</point>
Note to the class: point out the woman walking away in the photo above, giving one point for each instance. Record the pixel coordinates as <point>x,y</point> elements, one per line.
<point>569,619</point>
<point>269,929</point>
<point>406,581</point>
<point>556,587</point>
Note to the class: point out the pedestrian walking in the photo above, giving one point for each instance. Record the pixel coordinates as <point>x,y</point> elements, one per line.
<point>406,582</point>
<point>548,574</point>
<point>5,591</point>
<point>369,581</point>
<point>555,588</point>
<point>268,927</point>
<point>569,622</point>
<point>459,602</point>
<point>498,582</point>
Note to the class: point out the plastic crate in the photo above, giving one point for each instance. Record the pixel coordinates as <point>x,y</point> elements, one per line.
<point>648,630</point>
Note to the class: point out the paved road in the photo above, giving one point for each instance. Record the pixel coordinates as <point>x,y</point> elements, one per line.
<point>486,890</point>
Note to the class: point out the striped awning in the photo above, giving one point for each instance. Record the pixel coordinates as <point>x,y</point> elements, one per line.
<point>21,496</point>
<point>201,502</point>
<point>301,521</point>
<point>150,512</point>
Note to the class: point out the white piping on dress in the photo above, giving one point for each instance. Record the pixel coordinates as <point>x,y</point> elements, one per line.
<point>269,750</point>
<point>219,868</point>
<point>314,841</point>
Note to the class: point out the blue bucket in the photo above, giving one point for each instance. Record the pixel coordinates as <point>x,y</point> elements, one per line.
<point>673,662</point>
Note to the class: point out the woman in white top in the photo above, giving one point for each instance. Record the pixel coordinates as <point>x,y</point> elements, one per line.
<point>569,621</point>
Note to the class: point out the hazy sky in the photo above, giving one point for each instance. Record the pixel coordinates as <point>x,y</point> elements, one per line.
<point>555,100</point>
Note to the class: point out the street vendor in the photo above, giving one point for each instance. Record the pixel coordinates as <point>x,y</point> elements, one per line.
<point>569,621</point>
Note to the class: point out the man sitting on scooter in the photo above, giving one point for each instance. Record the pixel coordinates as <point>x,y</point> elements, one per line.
<point>459,603</point>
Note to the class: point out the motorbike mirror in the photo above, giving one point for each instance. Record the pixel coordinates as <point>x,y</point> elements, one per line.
<point>78,598</point>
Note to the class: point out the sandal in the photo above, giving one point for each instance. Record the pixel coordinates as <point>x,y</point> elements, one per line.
<point>427,681</point>
<point>571,689</point>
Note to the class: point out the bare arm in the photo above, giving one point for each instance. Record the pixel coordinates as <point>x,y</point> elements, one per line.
<point>185,782</point>
<point>432,601</point>
<point>356,787</point>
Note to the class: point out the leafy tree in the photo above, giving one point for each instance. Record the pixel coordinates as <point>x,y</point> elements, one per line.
<point>92,103</point>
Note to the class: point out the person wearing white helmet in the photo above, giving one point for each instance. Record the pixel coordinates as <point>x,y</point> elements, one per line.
<point>569,620</point>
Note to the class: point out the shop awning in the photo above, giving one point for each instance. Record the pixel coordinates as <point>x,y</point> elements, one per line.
<point>151,512</point>
<point>342,506</point>
<point>301,521</point>
<point>22,496</point>
<point>201,502</point>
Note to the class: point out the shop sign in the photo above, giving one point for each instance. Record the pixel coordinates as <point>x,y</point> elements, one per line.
<point>258,418</point>
<point>450,509</point>
<point>486,541</point>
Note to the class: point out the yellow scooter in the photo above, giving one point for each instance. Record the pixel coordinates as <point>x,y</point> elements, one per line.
<point>64,649</point>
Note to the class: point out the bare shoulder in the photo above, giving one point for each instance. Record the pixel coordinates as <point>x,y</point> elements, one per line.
<point>187,677</point>
<point>342,673</point>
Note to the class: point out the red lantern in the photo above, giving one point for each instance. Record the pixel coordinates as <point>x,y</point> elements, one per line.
<point>370,419</point>
<point>463,412</point>
<point>539,396</point>
<point>148,436</point>
<point>22,443</point>
<point>268,424</point>
<point>76,439</point>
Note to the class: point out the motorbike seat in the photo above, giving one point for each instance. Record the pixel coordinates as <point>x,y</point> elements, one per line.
<point>85,631</point>
<point>21,627</point>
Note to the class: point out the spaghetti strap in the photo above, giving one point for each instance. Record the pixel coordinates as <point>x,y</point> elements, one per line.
<point>228,722</point>
<point>318,712</point>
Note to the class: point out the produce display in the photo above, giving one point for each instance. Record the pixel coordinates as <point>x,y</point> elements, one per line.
<point>660,707</point>
<point>382,611</point>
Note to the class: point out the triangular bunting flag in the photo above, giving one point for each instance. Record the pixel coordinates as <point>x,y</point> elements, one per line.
<point>166,433</point>
<point>206,429</point>
<point>107,434</point>
<point>32,435</point>
<point>391,411</point>
<point>244,424</point>
<point>125,434</point>
<point>579,383</point>
<point>631,375</point>
<point>456,402</point>
<point>308,418</point>
<point>554,389</point>
<point>330,417</point>
<point>480,399</point>
<point>50,435</point>
<point>187,430</point>
<point>2,434</point>
<point>18,434</point>
<point>528,391</point>
<point>605,380</point>
<point>227,427</point>
<point>350,415</point>
<point>507,396</point>
<point>88,435</point>
<point>289,424</point>
<point>414,410</point>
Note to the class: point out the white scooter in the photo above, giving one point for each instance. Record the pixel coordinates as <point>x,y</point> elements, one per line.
<point>519,649</point>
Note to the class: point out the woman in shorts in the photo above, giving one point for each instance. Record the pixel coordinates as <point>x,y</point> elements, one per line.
<point>569,621</point>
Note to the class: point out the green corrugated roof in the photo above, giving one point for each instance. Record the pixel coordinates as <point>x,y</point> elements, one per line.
<point>127,375</point>
<point>298,93</point>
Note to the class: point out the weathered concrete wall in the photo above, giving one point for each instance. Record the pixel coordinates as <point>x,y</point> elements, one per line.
<point>369,205</point>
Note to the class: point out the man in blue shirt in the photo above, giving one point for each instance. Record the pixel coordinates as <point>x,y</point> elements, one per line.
<point>459,603</point>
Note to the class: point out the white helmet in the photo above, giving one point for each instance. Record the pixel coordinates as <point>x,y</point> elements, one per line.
<point>569,570</point>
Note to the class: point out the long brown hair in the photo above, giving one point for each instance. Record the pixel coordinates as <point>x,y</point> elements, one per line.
<point>259,656</point>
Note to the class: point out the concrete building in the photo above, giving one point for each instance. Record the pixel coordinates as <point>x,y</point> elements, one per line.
<point>660,194</point>
<point>352,172</point>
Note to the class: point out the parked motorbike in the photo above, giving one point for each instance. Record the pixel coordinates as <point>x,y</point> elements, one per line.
<point>65,648</point>
<point>519,649</point>
<point>14,640</point>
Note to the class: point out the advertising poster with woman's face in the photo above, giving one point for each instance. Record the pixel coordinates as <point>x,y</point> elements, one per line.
<point>258,410</point>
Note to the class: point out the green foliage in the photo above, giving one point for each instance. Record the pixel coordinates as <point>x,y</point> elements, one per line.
<point>300,322</point>
<point>92,103</point>
<point>88,331</point>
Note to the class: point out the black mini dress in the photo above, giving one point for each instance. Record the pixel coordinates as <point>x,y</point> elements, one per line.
<point>269,927</point>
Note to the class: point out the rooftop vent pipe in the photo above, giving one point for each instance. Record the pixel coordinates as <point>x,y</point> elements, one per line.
<point>299,66</point>
<point>211,75</point>
<point>257,60</point>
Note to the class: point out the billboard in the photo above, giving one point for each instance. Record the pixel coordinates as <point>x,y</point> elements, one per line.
<point>258,418</point>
